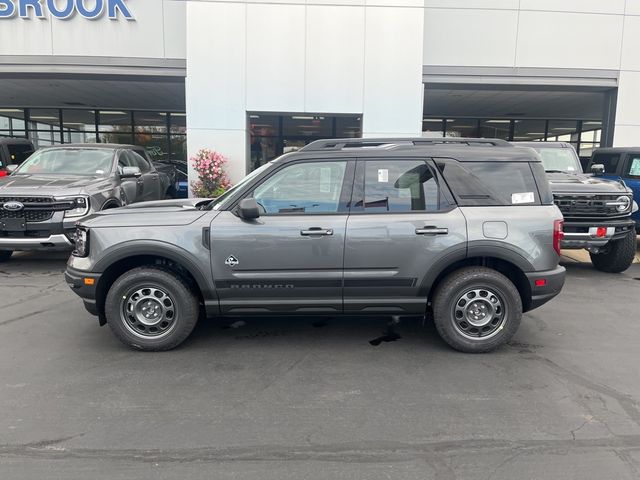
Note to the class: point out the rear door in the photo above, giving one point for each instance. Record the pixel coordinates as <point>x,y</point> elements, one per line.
<point>290,259</point>
<point>400,229</point>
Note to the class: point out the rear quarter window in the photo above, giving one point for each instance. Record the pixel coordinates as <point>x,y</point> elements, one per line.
<point>494,183</point>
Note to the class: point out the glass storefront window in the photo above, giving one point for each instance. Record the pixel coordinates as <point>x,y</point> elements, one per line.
<point>178,123</point>
<point>307,126</point>
<point>462,127</point>
<point>529,130</point>
<point>563,131</point>
<point>495,128</point>
<point>348,127</point>
<point>432,127</point>
<point>156,145</point>
<point>115,126</point>
<point>12,119</point>
<point>153,122</point>
<point>272,135</point>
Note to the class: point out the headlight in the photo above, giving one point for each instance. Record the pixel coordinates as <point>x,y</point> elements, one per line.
<point>81,240</point>
<point>79,209</point>
<point>622,203</point>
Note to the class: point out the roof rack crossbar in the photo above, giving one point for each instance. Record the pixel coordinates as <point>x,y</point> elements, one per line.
<point>344,143</point>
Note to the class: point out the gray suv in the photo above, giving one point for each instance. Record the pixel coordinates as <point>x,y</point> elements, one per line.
<point>462,230</point>
<point>44,197</point>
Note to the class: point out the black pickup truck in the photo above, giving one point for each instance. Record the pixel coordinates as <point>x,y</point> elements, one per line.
<point>597,212</point>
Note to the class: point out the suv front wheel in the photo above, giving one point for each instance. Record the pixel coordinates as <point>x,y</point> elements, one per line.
<point>151,308</point>
<point>476,309</point>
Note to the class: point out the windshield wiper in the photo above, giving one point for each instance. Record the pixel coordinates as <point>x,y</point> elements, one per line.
<point>556,171</point>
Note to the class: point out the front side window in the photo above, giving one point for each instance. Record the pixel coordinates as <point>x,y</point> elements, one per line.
<point>312,187</point>
<point>609,160</point>
<point>634,168</point>
<point>399,186</point>
<point>69,161</point>
<point>138,161</point>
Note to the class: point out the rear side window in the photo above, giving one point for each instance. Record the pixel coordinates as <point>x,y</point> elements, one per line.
<point>491,183</point>
<point>633,169</point>
<point>399,186</point>
<point>609,160</point>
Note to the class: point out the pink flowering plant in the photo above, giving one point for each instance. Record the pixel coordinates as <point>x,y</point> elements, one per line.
<point>212,178</point>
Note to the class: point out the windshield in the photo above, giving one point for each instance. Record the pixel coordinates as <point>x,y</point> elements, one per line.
<point>218,202</point>
<point>559,160</point>
<point>69,161</point>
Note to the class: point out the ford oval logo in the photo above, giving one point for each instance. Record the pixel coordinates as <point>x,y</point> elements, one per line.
<point>13,206</point>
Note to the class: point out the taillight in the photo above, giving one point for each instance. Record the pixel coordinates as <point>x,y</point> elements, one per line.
<point>558,234</point>
<point>3,173</point>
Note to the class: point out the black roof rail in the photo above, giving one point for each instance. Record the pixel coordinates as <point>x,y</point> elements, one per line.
<point>342,143</point>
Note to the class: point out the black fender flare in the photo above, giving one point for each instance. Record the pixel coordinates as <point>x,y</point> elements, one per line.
<point>137,248</point>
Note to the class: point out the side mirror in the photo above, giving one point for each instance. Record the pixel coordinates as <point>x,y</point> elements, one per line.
<point>12,168</point>
<point>597,169</point>
<point>130,172</point>
<point>248,209</point>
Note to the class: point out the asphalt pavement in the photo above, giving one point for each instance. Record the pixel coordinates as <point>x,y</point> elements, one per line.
<point>319,399</point>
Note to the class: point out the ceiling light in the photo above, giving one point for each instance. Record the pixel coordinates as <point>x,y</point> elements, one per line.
<point>583,123</point>
<point>10,110</point>
<point>302,118</point>
<point>43,117</point>
<point>497,121</point>
<point>107,112</point>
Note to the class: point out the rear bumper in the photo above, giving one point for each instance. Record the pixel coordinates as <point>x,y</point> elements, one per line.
<point>583,234</point>
<point>77,281</point>
<point>554,281</point>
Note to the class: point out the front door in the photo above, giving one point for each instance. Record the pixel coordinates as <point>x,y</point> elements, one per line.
<point>400,228</point>
<point>290,259</point>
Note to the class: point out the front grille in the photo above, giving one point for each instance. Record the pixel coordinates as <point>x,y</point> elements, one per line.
<point>40,212</point>
<point>587,205</point>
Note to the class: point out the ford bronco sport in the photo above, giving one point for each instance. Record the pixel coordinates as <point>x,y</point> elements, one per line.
<point>597,212</point>
<point>463,230</point>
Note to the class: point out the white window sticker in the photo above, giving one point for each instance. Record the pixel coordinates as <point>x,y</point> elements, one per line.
<point>525,197</point>
<point>383,175</point>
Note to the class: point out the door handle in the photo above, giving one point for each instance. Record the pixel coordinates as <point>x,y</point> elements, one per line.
<point>432,231</point>
<point>313,231</point>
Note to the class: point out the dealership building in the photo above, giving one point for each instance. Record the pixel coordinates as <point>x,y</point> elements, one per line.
<point>253,79</point>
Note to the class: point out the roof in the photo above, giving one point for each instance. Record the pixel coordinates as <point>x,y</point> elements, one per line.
<point>542,144</point>
<point>462,149</point>
<point>108,146</point>
<point>617,150</point>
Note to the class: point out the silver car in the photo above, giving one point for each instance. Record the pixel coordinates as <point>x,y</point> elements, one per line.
<point>44,197</point>
<point>462,231</point>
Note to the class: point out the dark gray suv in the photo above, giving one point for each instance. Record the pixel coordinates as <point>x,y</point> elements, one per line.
<point>464,231</point>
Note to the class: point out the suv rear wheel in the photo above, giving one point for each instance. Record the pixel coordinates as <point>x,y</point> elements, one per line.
<point>616,256</point>
<point>150,308</point>
<point>476,309</point>
<point>5,255</point>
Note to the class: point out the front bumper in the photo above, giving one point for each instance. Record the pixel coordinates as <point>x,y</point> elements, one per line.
<point>84,284</point>
<point>52,242</point>
<point>553,283</point>
<point>583,234</point>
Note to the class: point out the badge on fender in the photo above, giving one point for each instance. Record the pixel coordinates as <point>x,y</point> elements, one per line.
<point>231,261</point>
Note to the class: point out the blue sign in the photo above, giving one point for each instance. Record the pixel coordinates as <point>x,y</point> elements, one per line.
<point>63,9</point>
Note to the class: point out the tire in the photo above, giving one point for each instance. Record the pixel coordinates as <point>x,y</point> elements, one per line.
<point>476,309</point>
<point>5,255</point>
<point>151,309</point>
<point>617,256</point>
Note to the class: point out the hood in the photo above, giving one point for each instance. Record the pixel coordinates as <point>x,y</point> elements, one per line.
<point>161,213</point>
<point>42,184</point>
<point>581,183</point>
